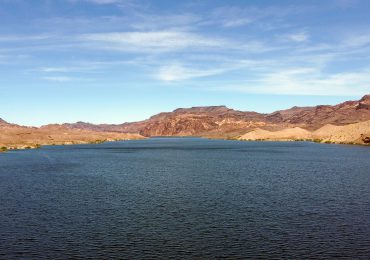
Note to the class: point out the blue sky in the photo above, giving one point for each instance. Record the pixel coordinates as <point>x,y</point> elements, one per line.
<point>112,61</point>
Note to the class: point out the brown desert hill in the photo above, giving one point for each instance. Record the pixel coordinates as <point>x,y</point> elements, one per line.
<point>357,133</point>
<point>195,121</point>
<point>326,131</point>
<point>348,112</point>
<point>118,128</point>
<point>287,134</point>
<point>319,122</point>
<point>200,121</point>
<point>223,122</point>
<point>20,137</point>
<point>96,127</point>
<point>3,123</point>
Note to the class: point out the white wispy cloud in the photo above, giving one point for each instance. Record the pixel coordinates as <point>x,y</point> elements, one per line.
<point>157,41</point>
<point>266,17</point>
<point>103,2</point>
<point>121,4</point>
<point>13,58</point>
<point>358,40</point>
<point>306,81</point>
<point>298,37</point>
<point>99,2</point>
<point>24,38</point>
<point>184,45</point>
<point>148,21</point>
<point>58,78</point>
<point>55,69</point>
<point>230,17</point>
<point>177,72</point>
<point>346,3</point>
<point>237,22</point>
<point>76,67</point>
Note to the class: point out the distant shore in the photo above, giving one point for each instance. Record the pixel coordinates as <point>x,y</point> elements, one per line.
<point>37,146</point>
<point>344,123</point>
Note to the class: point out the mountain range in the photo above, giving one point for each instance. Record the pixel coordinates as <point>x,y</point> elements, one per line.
<point>296,123</point>
<point>220,121</point>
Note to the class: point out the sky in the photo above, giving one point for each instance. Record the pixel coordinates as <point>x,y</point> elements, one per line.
<point>115,61</point>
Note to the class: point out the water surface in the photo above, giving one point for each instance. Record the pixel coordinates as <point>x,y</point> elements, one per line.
<point>186,198</point>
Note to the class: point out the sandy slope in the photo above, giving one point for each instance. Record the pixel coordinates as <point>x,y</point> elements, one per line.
<point>285,134</point>
<point>358,133</point>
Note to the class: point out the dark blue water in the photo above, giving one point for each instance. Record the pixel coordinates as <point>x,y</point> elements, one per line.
<point>186,198</point>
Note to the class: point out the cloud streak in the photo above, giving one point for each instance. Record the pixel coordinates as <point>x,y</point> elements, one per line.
<point>152,41</point>
<point>298,37</point>
<point>186,44</point>
<point>177,72</point>
<point>306,81</point>
<point>99,2</point>
<point>58,78</point>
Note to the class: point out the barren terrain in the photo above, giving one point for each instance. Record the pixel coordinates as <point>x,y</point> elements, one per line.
<point>347,122</point>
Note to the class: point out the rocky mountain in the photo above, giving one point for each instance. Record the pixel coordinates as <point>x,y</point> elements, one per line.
<point>119,128</point>
<point>320,122</point>
<point>199,121</point>
<point>314,117</point>
<point>93,127</point>
<point>3,123</point>
<point>220,121</point>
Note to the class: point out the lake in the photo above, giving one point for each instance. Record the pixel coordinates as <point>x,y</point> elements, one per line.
<point>186,198</point>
